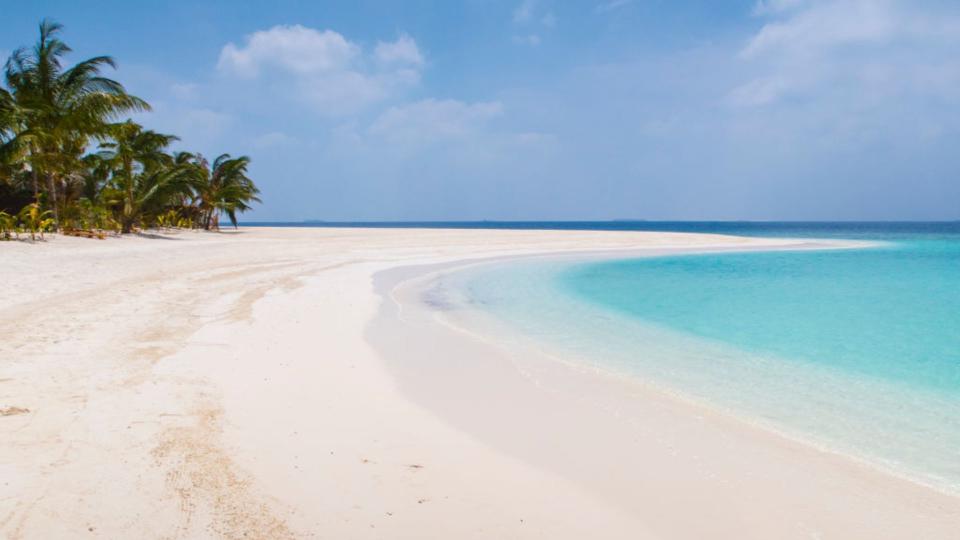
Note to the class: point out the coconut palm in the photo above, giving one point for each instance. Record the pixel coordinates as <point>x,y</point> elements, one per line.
<point>50,113</point>
<point>59,109</point>
<point>223,188</point>
<point>9,159</point>
<point>145,178</point>
<point>14,174</point>
<point>6,116</point>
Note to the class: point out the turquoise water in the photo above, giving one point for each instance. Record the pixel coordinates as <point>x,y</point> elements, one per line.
<point>889,312</point>
<point>857,351</point>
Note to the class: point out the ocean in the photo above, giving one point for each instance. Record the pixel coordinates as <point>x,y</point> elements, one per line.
<point>856,351</point>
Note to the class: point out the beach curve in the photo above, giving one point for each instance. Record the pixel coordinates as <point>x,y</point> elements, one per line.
<point>252,348</point>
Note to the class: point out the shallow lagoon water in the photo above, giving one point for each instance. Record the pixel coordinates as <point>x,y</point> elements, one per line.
<point>857,351</point>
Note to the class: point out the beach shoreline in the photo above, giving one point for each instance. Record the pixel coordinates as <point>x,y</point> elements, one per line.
<point>220,384</point>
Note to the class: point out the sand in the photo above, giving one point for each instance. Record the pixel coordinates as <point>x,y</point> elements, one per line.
<point>257,385</point>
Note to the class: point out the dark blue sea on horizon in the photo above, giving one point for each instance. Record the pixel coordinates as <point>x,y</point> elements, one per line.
<point>813,229</point>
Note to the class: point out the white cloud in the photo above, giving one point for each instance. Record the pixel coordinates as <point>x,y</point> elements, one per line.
<point>810,47</point>
<point>826,25</point>
<point>432,120</point>
<point>323,69</point>
<point>402,51</point>
<point>296,49</point>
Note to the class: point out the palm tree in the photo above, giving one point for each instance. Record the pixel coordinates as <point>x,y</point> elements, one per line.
<point>145,179</point>
<point>96,174</point>
<point>49,113</point>
<point>6,116</point>
<point>59,109</point>
<point>8,122</point>
<point>224,188</point>
<point>13,171</point>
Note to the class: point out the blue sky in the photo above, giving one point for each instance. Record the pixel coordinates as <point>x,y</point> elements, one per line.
<point>539,109</point>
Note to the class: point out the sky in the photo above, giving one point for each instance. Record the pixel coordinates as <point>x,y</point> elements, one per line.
<point>548,110</point>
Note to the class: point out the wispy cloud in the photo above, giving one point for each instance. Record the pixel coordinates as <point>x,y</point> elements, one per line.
<point>826,25</point>
<point>323,68</point>
<point>532,22</point>
<point>185,91</point>
<point>200,126</point>
<point>530,39</point>
<point>273,139</point>
<point>402,51</point>
<point>431,120</point>
<point>524,11</point>
<point>766,7</point>
<point>612,5</point>
<point>808,47</point>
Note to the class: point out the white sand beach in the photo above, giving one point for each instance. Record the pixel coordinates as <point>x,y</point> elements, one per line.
<point>256,384</point>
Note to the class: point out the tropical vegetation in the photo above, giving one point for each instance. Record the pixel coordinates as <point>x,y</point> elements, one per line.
<point>73,161</point>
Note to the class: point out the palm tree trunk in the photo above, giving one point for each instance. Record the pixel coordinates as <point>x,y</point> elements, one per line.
<point>52,189</point>
<point>128,203</point>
